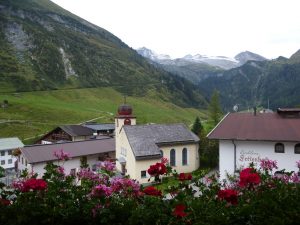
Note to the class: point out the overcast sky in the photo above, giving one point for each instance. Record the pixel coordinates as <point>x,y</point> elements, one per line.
<point>209,27</point>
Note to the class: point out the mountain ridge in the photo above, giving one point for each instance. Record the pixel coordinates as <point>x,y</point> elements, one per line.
<point>44,47</point>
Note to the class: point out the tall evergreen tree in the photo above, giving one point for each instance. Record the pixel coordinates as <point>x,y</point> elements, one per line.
<point>197,126</point>
<point>214,108</point>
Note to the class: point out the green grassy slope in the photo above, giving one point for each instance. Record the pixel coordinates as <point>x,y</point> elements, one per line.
<point>33,113</point>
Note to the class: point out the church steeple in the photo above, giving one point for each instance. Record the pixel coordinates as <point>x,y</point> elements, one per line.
<point>124,116</point>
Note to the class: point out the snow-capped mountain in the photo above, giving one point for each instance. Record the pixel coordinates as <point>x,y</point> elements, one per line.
<point>243,57</point>
<point>222,62</point>
<point>148,53</point>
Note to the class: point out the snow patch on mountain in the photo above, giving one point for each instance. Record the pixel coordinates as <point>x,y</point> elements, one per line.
<point>216,61</point>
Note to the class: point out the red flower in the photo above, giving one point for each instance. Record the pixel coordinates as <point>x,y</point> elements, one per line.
<point>4,201</point>
<point>152,191</point>
<point>33,184</point>
<point>183,176</point>
<point>157,169</point>
<point>179,211</point>
<point>248,176</point>
<point>229,195</point>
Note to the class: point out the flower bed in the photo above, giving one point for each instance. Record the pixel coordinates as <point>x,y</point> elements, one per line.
<point>253,197</point>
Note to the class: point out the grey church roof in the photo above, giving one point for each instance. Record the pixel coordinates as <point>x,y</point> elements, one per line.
<point>145,140</point>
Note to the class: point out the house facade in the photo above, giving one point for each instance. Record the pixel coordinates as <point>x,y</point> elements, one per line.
<point>34,158</point>
<point>139,146</point>
<point>246,138</point>
<point>67,133</point>
<point>7,146</point>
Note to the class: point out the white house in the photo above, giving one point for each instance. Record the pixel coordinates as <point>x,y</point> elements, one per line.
<point>249,137</point>
<point>139,146</point>
<point>7,146</point>
<point>35,157</point>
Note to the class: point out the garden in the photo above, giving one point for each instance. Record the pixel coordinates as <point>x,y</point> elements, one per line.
<point>253,196</point>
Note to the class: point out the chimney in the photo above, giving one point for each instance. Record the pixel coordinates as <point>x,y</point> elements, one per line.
<point>254,110</point>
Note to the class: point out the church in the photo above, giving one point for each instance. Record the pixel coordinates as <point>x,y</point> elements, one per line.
<point>139,146</point>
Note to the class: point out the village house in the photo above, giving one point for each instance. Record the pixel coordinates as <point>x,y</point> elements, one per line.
<point>101,128</point>
<point>139,146</point>
<point>246,138</point>
<point>67,133</point>
<point>7,146</point>
<point>35,157</point>
<point>77,133</point>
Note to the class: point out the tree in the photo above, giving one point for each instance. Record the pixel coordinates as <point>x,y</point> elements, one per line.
<point>214,108</point>
<point>197,126</point>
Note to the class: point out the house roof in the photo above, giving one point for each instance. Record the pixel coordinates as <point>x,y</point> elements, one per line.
<point>44,153</point>
<point>263,127</point>
<point>100,127</point>
<point>145,140</point>
<point>77,130</point>
<point>10,143</point>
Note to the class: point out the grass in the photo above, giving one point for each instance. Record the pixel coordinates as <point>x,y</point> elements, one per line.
<point>33,113</point>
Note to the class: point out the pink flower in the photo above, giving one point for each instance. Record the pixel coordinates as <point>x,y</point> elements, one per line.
<point>61,170</point>
<point>248,177</point>
<point>61,155</point>
<point>125,186</point>
<point>101,190</point>
<point>164,160</point>
<point>229,195</point>
<point>267,164</point>
<point>295,178</point>
<point>298,164</point>
<point>179,211</point>
<point>87,174</point>
<point>107,165</point>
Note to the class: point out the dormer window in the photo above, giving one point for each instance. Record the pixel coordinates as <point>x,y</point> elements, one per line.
<point>297,148</point>
<point>279,148</point>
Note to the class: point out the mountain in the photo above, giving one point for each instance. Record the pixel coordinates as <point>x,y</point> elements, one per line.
<point>243,57</point>
<point>44,47</point>
<point>258,83</point>
<point>198,67</point>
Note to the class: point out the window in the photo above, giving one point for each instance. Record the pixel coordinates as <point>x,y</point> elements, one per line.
<point>279,148</point>
<point>297,148</point>
<point>172,157</point>
<point>22,160</point>
<point>10,161</point>
<point>184,156</point>
<point>9,152</point>
<point>25,162</point>
<point>143,174</point>
<point>2,162</point>
<point>3,153</point>
<point>161,153</point>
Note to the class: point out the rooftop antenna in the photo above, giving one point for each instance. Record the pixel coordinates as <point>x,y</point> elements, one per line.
<point>268,103</point>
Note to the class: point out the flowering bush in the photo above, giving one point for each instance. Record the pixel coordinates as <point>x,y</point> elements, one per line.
<point>229,195</point>
<point>152,191</point>
<point>249,178</point>
<point>31,184</point>
<point>184,177</point>
<point>256,196</point>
